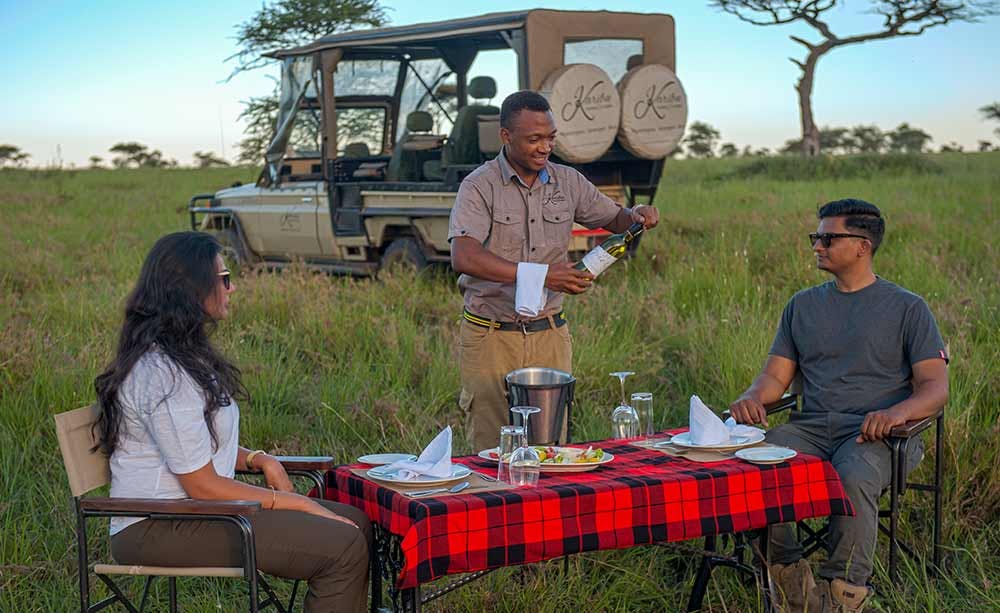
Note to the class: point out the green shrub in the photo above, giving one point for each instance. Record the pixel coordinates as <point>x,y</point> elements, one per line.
<point>797,168</point>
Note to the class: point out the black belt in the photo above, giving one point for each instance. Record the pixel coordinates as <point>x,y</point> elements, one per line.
<point>519,326</point>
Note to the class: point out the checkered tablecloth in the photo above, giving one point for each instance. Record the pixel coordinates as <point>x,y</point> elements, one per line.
<point>641,497</point>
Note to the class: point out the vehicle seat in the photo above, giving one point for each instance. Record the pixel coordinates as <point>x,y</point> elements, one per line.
<point>463,142</point>
<point>415,147</point>
<point>357,150</point>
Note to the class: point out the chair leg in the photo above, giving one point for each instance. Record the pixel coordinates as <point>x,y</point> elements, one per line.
<point>894,509</point>
<point>145,592</point>
<point>938,450</point>
<point>172,591</point>
<point>81,559</point>
<point>700,586</point>
<point>291,600</point>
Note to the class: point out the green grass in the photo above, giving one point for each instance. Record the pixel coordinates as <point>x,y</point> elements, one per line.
<point>345,367</point>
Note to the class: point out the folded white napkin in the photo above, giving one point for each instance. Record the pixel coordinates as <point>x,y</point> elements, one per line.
<point>434,460</point>
<point>707,429</point>
<point>530,294</point>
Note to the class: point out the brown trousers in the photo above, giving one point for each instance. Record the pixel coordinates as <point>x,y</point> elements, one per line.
<point>486,355</point>
<point>331,555</point>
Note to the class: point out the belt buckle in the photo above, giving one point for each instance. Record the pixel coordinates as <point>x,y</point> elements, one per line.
<point>524,328</point>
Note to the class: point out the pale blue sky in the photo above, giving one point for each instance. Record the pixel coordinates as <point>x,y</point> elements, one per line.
<point>81,76</point>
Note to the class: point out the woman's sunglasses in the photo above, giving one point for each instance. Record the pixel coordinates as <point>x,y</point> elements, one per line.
<point>826,238</point>
<point>225,278</point>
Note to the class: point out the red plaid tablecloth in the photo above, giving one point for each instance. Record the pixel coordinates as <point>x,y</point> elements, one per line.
<point>641,497</point>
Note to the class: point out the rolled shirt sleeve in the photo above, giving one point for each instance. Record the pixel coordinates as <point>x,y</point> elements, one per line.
<point>472,214</point>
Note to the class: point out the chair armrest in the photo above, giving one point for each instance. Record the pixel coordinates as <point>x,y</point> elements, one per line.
<point>788,401</point>
<point>914,426</point>
<point>182,506</point>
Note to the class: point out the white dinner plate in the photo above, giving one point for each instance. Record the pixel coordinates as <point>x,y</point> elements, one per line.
<point>582,467</point>
<point>378,459</point>
<point>734,442</point>
<point>766,455</point>
<point>493,453</point>
<point>458,471</point>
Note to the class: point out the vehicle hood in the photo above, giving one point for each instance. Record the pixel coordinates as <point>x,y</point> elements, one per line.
<point>243,191</point>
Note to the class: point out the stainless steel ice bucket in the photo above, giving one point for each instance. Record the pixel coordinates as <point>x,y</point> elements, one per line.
<point>549,389</point>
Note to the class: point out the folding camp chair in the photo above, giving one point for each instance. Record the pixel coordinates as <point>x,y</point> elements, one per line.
<point>89,470</point>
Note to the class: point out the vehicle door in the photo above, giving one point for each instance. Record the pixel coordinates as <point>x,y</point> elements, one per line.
<point>288,220</point>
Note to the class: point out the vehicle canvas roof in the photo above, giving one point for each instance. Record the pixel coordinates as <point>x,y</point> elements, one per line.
<point>545,32</point>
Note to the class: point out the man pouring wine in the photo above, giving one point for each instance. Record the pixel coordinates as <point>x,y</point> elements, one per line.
<point>513,216</point>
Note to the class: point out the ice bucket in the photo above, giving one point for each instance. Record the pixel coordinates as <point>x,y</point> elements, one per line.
<point>549,389</point>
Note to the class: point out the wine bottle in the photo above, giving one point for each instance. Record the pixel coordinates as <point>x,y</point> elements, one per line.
<point>609,251</point>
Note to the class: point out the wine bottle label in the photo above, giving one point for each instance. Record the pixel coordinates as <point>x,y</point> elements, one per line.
<point>598,260</point>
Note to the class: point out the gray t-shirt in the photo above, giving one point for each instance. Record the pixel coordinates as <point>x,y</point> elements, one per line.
<point>165,434</point>
<point>856,351</point>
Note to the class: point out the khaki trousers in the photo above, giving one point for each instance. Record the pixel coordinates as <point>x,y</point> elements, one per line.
<point>486,355</point>
<point>331,555</point>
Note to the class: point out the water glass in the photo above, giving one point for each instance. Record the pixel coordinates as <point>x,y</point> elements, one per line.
<point>511,438</point>
<point>624,422</point>
<point>525,467</point>
<point>642,402</point>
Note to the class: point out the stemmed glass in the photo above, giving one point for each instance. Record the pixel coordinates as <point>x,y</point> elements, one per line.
<point>624,419</point>
<point>524,462</point>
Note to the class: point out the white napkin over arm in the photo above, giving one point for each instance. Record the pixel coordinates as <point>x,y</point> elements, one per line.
<point>434,460</point>
<point>530,294</point>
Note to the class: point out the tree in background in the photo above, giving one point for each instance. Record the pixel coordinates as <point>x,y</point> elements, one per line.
<point>283,24</point>
<point>728,150</point>
<point>991,112</point>
<point>207,159</point>
<point>12,154</point>
<point>867,139</point>
<point>95,162</point>
<point>985,145</point>
<point>907,139</point>
<point>700,140</point>
<point>951,147</point>
<point>900,18</point>
<point>137,155</point>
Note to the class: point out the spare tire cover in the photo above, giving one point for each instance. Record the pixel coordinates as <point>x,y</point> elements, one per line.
<point>654,111</point>
<point>586,108</point>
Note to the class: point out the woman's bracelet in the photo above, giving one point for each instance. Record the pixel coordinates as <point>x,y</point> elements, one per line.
<point>274,498</point>
<point>250,457</point>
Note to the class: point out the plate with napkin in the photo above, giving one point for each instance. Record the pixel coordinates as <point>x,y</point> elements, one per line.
<point>432,466</point>
<point>707,431</point>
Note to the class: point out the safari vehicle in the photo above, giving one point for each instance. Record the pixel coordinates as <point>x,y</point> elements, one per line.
<point>377,128</point>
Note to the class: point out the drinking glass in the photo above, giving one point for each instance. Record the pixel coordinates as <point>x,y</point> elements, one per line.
<point>511,438</point>
<point>642,402</point>
<point>525,464</point>
<point>622,375</point>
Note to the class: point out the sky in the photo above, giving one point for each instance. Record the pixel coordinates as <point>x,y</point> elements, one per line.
<point>82,76</point>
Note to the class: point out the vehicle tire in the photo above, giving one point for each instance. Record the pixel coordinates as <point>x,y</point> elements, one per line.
<point>403,254</point>
<point>233,250</point>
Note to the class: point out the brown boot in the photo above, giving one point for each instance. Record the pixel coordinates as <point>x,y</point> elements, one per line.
<point>790,585</point>
<point>837,596</point>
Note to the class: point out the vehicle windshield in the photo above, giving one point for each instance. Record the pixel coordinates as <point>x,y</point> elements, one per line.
<point>610,54</point>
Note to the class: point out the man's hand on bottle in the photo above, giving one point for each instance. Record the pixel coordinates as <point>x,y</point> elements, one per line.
<point>646,215</point>
<point>562,277</point>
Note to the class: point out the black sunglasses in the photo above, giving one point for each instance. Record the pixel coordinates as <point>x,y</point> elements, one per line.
<point>225,278</point>
<point>827,238</point>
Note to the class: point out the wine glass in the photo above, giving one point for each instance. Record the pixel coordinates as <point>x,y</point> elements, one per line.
<point>525,464</point>
<point>624,419</point>
<point>511,438</point>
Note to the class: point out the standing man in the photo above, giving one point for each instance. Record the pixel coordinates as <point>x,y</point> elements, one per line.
<point>871,358</point>
<point>519,207</point>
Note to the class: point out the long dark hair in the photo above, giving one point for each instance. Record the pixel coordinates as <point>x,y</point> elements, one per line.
<point>165,310</point>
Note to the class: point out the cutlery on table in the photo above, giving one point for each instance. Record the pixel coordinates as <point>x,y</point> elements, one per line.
<point>440,490</point>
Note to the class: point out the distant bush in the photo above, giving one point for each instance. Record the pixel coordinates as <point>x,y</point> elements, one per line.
<point>796,168</point>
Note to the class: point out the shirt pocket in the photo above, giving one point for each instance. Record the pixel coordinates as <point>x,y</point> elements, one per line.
<point>507,234</point>
<point>558,224</point>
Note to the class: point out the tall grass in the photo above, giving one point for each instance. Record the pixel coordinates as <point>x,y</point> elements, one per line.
<point>346,366</point>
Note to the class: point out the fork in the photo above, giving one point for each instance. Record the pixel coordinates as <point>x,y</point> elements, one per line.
<point>440,490</point>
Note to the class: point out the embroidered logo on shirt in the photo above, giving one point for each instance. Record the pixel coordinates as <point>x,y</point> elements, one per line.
<point>554,198</point>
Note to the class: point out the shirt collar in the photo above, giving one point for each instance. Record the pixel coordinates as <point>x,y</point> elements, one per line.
<point>509,174</point>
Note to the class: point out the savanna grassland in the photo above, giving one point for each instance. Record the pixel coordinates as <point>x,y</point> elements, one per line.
<point>347,366</point>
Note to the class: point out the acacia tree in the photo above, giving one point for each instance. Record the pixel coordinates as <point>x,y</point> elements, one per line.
<point>280,25</point>
<point>991,112</point>
<point>701,140</point>
<point>899,18</point>
<point>12,154</point>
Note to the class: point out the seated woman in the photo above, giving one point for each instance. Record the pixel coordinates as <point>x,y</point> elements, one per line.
<point>170,424</point>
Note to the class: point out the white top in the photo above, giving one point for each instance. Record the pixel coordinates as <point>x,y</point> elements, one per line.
<point>165,434</point>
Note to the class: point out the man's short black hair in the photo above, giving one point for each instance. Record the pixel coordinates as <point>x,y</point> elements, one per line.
<point>860,215</point>
<point>520,101</point>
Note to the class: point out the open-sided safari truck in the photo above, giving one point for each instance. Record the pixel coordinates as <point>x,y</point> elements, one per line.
<point>376,129</point>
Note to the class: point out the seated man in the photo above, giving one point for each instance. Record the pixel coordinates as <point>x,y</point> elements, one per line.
<point>871,358</point>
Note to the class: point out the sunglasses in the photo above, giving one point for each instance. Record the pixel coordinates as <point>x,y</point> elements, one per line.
<point>826,238</point>
<point>225,278</point>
